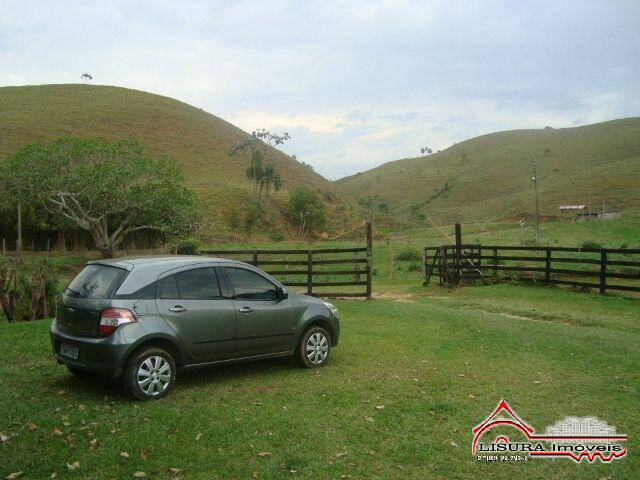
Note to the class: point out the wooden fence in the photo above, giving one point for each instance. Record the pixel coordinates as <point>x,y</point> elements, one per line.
<point>599,268</point>
<point>315,269</point>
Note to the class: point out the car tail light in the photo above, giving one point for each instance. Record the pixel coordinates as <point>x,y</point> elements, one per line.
<point>112,318</point>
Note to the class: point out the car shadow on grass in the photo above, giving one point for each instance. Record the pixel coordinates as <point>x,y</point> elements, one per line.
<point>235,371</point>
<point>98,388</point>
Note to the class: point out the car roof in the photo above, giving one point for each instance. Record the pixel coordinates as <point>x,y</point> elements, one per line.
<point>161,262</point>
<point>147,269</point>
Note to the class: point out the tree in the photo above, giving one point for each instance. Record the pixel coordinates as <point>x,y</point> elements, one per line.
<point>306,210</point>
<point>108,189</point>
<point>86,77</point>
<point>425,151</point>
<point>254,148</point>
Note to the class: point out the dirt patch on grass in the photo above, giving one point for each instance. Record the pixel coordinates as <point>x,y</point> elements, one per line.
<point>398,297</point>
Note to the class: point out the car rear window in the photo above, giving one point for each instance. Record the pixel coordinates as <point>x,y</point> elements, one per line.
<point>96,281</point>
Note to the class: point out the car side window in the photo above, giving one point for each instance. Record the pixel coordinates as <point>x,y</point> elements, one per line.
<point>168,288</point>
<point>198,284</point>
<point>249,285</point>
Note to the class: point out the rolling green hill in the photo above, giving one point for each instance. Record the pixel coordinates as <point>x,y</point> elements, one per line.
<point>489,177</point>
<point>197,140</point>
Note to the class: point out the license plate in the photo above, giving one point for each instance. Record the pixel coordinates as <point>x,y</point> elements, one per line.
<point>70,351</point>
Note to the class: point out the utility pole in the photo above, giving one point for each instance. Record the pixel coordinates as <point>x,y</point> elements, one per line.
<point>534,179</point>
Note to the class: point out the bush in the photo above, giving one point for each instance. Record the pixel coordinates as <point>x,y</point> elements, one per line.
<point>188,246</point>
<point>408,255</point>
<point>414,267</point>
<point>306,210</point>
<point>23,298</point>
<point>590,244</point>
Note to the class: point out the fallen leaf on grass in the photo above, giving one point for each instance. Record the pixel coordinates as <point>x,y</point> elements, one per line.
<point>56,432</point>
<point>53,475</point>
<point>472,397</point>
<point>453,444</point>
<point>93,442</point>
<point>368,419</point>
<point>3,438</point>
<point>341,454</point>
<point>461,375</point>
<point>537,382</point>
<point>81,406</point>
<point>73,466</point>
<point>264,454</point>
<point>31,426</point>
<point>256,403</point>
<point>139,474</point>
<point>125,455</point>
<point>379,407</point>
<point>175,471</point>
<point>144,455</point>
<point>13,476</point>
<point>198,437</point>
<point>61,392</point>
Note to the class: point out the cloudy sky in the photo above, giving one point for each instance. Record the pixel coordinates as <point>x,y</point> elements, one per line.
<point>355,83</point>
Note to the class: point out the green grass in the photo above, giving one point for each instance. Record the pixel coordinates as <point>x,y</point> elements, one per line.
<point>406,350</point>
<point>423,358</point>
<point>488,177</point>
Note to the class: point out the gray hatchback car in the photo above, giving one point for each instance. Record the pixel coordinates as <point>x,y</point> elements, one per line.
<point>145,318</point>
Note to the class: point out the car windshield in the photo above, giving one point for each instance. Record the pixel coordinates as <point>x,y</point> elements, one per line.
<point>96,281</point>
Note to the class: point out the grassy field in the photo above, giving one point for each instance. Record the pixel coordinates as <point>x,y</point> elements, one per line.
<point>416,369</point>
<point>488,177</point>
<point>412,375</point>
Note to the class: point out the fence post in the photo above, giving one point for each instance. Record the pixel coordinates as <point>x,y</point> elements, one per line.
<point>425,268</point>
<point>357,265</point>
<point>547,267</point>
<point>495,263</point>
<point>310,272</point>
<point>255,258</point>
<point>603,271</point>
<point>369,237</point>
<point>458,258</point>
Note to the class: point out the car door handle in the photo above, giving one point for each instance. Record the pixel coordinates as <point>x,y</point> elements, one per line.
<point>177,309</point>
<point>246,310</point>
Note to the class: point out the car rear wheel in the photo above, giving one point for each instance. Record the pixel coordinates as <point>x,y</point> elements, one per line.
<point>314,348</point>
<point>150,374</point>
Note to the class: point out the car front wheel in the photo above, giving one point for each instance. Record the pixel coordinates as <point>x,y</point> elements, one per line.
<point>314,347</point>
<point>150,374</point>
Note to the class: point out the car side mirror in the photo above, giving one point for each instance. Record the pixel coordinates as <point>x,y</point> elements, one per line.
<point>282,293</point>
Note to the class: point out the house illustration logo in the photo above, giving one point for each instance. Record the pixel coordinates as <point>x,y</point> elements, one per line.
<point>574,438</point>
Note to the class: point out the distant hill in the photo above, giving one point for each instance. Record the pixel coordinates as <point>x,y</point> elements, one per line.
<point>489,177</point>
<point>197,140</point>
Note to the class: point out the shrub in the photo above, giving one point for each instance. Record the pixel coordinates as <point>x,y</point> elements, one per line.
<point>590,244</point>
<point>188,246</point>
<point>26,298</point>
<point>408,255</point>
<point>414,267</point>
